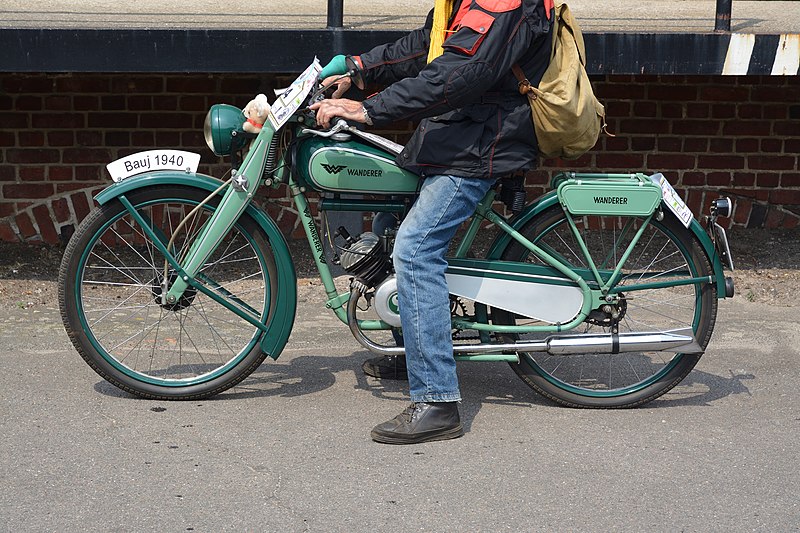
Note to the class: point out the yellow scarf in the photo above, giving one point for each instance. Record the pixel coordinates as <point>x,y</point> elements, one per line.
<point>441,13</point>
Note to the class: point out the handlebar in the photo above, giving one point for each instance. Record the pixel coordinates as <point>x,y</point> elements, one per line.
<point>341,125</point>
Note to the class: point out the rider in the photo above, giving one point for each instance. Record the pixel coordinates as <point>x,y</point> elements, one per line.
<point>454,75</point>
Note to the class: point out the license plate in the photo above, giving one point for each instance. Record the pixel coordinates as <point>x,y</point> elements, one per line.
<point>151,160</point>
<point>674,202</point>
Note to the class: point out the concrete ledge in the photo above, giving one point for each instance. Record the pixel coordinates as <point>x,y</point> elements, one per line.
<point>680,16</point>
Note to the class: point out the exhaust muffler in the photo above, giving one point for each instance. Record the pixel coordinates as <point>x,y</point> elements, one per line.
<point>676,340</point>
<point>679,340</point>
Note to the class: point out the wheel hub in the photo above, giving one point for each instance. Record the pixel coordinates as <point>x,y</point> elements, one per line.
<point>184,301</point>
<point>609,313</point>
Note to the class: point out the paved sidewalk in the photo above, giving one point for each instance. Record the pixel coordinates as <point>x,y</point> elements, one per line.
<point>753,16</point>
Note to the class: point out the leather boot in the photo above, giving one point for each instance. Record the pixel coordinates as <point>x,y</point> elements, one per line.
<point>421,422</point>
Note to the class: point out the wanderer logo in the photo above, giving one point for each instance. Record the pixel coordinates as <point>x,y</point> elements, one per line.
<point>620,200</point>
<point>333,169</point>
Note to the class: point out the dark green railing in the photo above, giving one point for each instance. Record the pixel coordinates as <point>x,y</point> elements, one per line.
<point>722,22</point>
<point>336,13</point>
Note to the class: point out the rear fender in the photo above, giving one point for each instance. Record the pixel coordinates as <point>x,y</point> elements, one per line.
<point>280,319</point>
<point>550,199</point>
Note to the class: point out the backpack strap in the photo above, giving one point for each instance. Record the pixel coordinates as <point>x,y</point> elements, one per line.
<point>525,87</point>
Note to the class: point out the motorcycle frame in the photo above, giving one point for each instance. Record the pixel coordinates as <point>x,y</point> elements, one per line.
<point>251,176</point>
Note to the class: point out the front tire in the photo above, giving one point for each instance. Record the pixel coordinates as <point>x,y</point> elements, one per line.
<point>665,250</point>
<point>110,296</point>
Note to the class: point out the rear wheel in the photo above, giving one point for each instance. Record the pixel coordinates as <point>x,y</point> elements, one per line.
<point>110,285</point>
<point>665,251</point>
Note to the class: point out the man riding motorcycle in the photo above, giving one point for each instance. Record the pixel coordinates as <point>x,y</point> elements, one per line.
<point>455,76</point>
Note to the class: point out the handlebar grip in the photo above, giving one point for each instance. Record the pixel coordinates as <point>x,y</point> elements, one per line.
<point>337,66</point>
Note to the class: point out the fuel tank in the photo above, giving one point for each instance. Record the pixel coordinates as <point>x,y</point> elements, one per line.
<point>349,166</point>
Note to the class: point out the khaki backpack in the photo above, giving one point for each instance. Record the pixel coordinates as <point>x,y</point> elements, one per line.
<point>566,115</point>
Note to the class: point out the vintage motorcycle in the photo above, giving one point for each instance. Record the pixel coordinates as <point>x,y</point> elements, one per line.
<point>601,293</point>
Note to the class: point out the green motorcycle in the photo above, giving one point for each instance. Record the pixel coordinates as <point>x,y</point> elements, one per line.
<point>601,293</point>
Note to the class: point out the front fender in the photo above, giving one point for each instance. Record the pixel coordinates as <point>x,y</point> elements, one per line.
<point>280,319</point>
<point>160,177</point>
<point>549,199</point>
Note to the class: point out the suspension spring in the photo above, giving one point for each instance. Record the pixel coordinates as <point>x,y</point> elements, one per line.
<point>272,152</point>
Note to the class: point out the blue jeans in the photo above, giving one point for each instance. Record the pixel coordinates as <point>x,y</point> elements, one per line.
<point>419,261</point>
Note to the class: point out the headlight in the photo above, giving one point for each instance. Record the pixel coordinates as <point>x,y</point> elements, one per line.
<point>223,129</point>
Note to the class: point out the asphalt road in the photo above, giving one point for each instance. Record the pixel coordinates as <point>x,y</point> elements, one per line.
<point>289,449</point>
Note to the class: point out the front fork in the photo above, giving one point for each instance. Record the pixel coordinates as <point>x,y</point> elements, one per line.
<point>243,187</point>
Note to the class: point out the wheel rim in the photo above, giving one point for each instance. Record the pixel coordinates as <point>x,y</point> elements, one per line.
<point>192,341</point>
<point>658,254</point>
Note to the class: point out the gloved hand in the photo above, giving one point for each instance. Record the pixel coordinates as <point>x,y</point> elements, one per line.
<point>336,67</point>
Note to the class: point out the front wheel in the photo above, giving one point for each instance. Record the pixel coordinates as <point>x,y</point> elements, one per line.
<point>665,251</point>
<point>110,285</point>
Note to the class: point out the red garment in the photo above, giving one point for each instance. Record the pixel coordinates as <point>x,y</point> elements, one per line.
<point>462,10</point>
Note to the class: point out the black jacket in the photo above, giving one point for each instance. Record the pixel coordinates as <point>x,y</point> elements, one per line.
<point>474,121</point>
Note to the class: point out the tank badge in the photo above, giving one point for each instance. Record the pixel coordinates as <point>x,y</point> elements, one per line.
<point>333,169</point>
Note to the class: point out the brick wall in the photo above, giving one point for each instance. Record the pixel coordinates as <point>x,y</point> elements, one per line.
<point>709,135</point>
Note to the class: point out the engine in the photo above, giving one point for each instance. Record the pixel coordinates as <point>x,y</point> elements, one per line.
<point>368,259</point>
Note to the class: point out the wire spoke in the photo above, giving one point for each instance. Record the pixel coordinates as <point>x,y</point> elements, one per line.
<point>122,303</point>
<point>214,331</point>
<point>116,268</point>
<point>119,282</point>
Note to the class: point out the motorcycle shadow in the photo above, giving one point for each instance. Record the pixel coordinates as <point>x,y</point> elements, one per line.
<point>481,383</point>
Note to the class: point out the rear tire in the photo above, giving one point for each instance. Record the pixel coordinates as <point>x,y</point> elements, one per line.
<point>109,293</point>
<point>666,249</point>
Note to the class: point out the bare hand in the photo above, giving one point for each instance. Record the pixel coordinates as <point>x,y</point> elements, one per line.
<point>342,107</point>
<point>342,84</point>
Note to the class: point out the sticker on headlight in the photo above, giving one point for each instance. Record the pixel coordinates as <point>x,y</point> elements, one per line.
<point>153,160</point>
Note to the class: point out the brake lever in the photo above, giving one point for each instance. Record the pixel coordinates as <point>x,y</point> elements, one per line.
<point>323,89</point>
<point>341,125</point>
